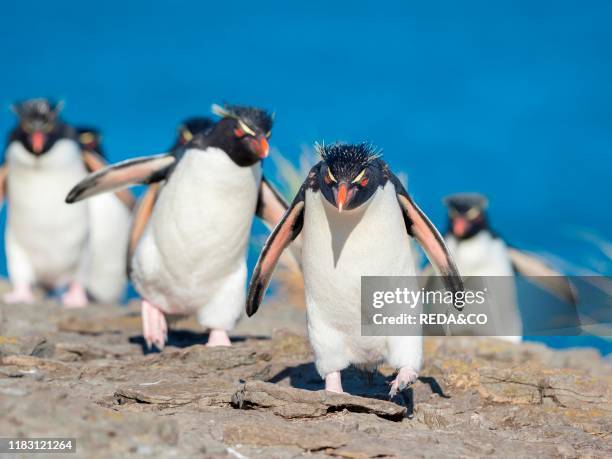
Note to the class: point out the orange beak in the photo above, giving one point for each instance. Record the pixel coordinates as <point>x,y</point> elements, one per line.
<point>38,140</point>
<point>460,226</point>
<point>342,194</point>
<point>261,147</point>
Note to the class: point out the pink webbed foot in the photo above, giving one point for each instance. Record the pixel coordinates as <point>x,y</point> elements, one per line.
<point>333,382</point>
<point>405,377</point>
<point>75,297</point>
<point>21,293</point>
<point>154,326</point>
<point>218,338</point>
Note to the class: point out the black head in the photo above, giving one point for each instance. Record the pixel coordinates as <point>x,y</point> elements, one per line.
<point>90,138</point>
<point>246,131</point>
<point>191,128</point>
<point>39,124</point>
<point>467,214</point>
<point>349,174</point>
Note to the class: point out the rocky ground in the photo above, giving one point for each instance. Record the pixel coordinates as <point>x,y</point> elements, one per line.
<point>84,374</point>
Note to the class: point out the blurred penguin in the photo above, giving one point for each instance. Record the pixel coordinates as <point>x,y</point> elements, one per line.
<point>478,251</point>
<point>47,241</point>
<point>108,243</point>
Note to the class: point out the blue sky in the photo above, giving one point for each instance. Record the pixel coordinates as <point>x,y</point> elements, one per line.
<point>509,98</point>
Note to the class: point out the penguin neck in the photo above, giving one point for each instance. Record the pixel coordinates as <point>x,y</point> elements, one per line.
<point>222,137</point>
<point>474,234</point>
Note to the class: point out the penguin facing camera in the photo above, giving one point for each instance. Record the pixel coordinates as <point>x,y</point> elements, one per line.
<point>355,219</point>
<point>47,241</point>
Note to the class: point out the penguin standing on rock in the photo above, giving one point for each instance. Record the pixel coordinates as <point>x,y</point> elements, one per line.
<point>355,219</point>
<point>47,242</point>
<point>191,255</point>
<point>478,251</point>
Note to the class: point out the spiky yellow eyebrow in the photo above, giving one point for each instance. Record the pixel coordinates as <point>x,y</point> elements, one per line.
<point>245,128</point>
<point>331,176</point>
<point>359,176</point>
<point>187,134</point>
<point>472,213</point>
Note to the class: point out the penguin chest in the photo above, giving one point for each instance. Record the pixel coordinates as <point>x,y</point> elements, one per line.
<point>199,231</point>
<point>339,248</point>
<point>38,218</point>
<point>480,255</point>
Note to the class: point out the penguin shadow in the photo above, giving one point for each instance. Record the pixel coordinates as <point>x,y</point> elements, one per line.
<point>182,338</point>
<point>357,382</point>
<point>340,229</point>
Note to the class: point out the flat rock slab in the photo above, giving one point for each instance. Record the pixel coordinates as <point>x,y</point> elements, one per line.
<point>170,394</point>
<point>291,403</point>
<point>85,374</point>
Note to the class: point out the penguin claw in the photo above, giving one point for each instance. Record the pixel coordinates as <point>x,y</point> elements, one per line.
<point>404,379</point>
<point>218,338</point>
<point>75,297</point>
<point>19,294</point>
<point>154,326</point>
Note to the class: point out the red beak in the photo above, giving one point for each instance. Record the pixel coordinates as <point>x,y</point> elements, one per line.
<point>460,226</point>
<point>261,147</point>
<point>38,140</point>
<point>341,197</point>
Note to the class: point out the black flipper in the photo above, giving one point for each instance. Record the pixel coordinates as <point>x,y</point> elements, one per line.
<point>538,272</point>
<point>426,234</point>
<point>286,231</point>
<point>136,171</point>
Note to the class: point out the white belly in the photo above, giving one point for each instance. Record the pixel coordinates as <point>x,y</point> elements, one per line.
<point>481,255</point>
<point>339,248</point>
<point>193,253</point>
<point>110,221</point>
<point>50,232</point>
<point>487,257</point>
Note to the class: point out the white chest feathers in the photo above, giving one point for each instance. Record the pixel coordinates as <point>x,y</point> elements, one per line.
<point>198,235</point>
<point>480,255</point>
<point>339,248</point>
<point>49,233</point>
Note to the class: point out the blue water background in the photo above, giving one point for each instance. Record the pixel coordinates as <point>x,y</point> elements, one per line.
<point>509,98</point>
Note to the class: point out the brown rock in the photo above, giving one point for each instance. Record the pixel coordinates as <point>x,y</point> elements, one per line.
<point>298,403</point>
<point>277,433</point>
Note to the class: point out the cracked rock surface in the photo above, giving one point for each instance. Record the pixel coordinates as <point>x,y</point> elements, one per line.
<point>84,374</point>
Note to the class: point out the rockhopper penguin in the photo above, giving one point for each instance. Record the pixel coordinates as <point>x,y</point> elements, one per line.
<point>356,219</point>
<point>48,243</point>
<point>191,257</point>
<point>479,251</point>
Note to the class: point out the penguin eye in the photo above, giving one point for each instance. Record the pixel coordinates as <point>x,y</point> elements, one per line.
<point>359,176</point>
<point>452,213</point>
<point>245,128</point>
<point>330,175</point>
<point>472,213</point>
<point>268,134</point>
